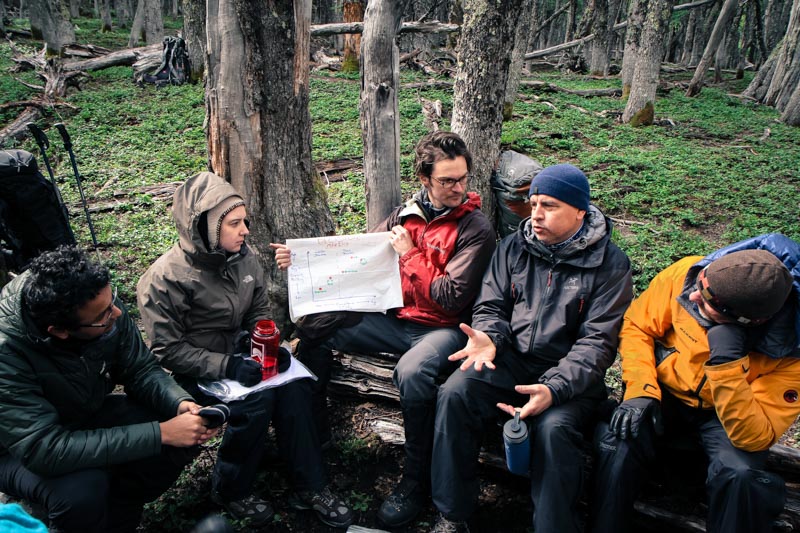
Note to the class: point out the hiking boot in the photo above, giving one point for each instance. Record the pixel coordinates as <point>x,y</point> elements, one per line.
<point>252,508</point>
<point>403,504</point>
<point>443,525</point>
<point>330,509</point>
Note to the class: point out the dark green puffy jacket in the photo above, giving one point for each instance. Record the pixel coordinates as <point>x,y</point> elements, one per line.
<point>49,396</point>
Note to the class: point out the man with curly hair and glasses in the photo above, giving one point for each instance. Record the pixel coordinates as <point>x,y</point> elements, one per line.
<point>91,457</point>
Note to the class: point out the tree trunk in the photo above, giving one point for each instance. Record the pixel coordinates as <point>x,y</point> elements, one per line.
<point>124,10</point>
<point>484,58</point>
<point>148,24</point>
<point>701,33</point>
<point>776,82</point>
<point>636,16</point>
<point>791,113</point>
<point>640,109</point>
<point>599,47</point>
<point>720,27</point>
<point>380,118</point>
<point>50,22</point>
<point>353,11</point>
<point>572,14</point>
<point>259,127</point>
<point>105,16</point>
<point>74,9</point>
<point>776,19</point>
<point>194,33</point>
<point>526,15</point>
<point>2,17</point>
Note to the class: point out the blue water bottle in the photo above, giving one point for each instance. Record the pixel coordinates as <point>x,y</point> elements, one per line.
<point>517,445</point>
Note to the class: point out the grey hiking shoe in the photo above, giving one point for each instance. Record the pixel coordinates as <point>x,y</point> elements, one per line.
<point>443,525</point>
<point>252,508</point>
<point>330,509</point>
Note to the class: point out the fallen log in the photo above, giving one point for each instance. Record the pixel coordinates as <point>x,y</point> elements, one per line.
<point>338,28</point>
<point>369,377</point>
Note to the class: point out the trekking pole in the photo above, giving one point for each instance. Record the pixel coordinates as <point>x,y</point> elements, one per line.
<point>44,143</point>
<point>68,146</point>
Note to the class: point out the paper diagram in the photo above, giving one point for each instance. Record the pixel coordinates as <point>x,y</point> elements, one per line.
<point>343,273</point>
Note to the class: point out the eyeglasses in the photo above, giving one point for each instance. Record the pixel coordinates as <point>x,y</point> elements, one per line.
<point>107,318</point>
<point>449,183</point>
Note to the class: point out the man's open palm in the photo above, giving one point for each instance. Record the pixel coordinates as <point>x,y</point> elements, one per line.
<point>479,350</point>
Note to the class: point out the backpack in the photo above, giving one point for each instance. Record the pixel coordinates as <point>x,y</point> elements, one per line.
<point>174,68</point>
<point>510,183</point>
<point>33,218</point>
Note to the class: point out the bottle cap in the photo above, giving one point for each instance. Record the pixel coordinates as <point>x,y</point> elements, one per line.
<point>515,430</point>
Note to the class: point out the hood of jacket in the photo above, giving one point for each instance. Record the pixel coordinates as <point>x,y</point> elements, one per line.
<point>192,200</point>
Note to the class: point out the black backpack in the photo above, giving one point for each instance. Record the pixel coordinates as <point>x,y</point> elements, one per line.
<point>33,218</point>
<point>510,182</point>
<point>174,68</point>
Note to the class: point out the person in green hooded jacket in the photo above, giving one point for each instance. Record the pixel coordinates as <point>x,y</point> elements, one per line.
<point>91,457</point>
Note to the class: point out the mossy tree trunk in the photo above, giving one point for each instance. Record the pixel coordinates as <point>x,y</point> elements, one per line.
<point>640,108</point>
<point>378,106</point>
<point>636,15</point>
<point>353,11</point>
<point>599,46</point>
<point>194,33</point>
<point>484,59</point>
<point>148,24</point>
<point>258,126</point>
<point>726,13</point>
<point>105,16</point>
<point>50,22</point>
<point>777,81</point>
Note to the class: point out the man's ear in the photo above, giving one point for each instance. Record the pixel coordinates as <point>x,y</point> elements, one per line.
<point>580,215</point>
<point>59,333</point>
<point>426,181</point>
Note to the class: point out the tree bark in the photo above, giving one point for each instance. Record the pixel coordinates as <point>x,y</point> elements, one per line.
<point>74,9</point>
<point>380,119</point>
<point>50,22</point>
<point>776,19</point>
<point>777,80</point>
<point>527,14</point>
<point>353,11</point>
<point>105,16</point>
<point>124,10</point>
<point>701,33</point>
<point>258,126</point>
<point>484,59</point>
<point>636,16</point>
<point>194,33</point>
<point>599,48</point>
<point>640,109</point>
<point>720,27</point>
<point>148,24</point>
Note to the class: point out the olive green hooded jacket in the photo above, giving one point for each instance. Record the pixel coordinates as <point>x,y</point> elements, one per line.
<point>49,395</point>
<point>195,301</point>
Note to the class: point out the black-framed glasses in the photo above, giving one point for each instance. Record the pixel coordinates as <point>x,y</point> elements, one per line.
<point>107,317</point>
<point>449,183</point>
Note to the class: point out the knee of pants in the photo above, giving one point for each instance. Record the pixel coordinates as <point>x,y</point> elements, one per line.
<point>739,477</point>
<point>413,384</point>
<point>81,505</point>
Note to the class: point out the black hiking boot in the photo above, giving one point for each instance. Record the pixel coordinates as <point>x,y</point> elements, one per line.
<point>403,504</point>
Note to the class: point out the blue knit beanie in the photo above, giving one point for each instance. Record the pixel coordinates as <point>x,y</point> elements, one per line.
<point>564,182</point>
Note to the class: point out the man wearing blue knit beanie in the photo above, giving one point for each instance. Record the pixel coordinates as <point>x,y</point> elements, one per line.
<point>544,332</point>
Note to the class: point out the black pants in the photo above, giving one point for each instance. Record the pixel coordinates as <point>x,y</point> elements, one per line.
<point>100,499</point>
<point>417,375</point>
<point>742,497</point>
<point>289,408</point>
<point>466,410</point>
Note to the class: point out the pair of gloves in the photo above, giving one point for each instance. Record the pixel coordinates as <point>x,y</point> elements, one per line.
<point>727,342</point>
<point>247,371</point>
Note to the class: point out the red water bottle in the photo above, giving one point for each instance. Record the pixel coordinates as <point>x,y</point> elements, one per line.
<point>265,339</point>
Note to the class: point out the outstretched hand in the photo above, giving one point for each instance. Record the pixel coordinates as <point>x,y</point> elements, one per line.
<point>541,398</point>
<point>283,255</point>
<point>478,352</point>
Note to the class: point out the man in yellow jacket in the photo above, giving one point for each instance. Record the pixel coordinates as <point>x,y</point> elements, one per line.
<point>708,351</point>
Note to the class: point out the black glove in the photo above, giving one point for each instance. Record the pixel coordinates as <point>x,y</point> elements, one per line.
<point>215,415</point>
<point>284,359</point>
<point>241,342</point>
<point>728,342</point>
<point>631,414</point>
<point>244,370</point>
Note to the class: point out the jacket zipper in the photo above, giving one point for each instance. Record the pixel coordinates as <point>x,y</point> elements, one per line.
<point>542,300</point>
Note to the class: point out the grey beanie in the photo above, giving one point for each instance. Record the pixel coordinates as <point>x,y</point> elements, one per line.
<point>215,216</point>
<point>564,182</point>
